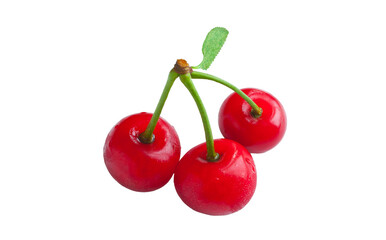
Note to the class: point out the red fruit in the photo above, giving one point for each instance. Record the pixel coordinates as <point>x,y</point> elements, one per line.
<point>136,165</point>
<point>255,134</point>
<point>216,188</point>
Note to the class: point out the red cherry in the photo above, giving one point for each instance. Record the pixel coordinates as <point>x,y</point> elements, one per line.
<point>260,134</point>
<point>139,166</point>
<point>216,188</point>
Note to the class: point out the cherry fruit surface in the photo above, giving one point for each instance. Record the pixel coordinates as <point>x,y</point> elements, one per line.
<point>257,134</point>
<point>218,187</point>
<point>141,166</point>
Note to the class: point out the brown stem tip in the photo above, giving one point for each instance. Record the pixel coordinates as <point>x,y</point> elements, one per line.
<point>182,67</point>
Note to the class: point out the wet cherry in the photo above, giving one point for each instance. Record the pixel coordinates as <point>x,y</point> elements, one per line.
<point>141,166</point>
<point>257,134</point>
<point>220,187</point>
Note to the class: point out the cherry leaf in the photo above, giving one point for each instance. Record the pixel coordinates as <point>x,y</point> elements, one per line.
<point>212,46</point>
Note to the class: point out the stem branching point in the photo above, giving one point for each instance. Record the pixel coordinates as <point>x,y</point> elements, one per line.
<point>182,67</point>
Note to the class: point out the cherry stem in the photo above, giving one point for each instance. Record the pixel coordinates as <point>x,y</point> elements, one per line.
<point>147,136</point>
<point>256,110</point>
<point>187,81</point>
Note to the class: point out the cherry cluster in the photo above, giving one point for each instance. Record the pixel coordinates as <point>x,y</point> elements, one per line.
<point>218,177</point>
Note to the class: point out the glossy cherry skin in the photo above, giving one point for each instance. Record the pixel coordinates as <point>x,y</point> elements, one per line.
<point>136,165</point>
<point>260,134</point>
<point>216,188</point>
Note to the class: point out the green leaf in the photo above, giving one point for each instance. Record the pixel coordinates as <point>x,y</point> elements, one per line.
<point>212,46</point>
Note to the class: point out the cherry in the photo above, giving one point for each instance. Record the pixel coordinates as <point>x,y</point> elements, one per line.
<point>256,133</point>
<point>217,187</point>
<point>217,177</point>
<point>141,166</point>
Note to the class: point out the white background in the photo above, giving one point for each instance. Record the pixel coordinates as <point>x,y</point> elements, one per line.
<point>69,70</point>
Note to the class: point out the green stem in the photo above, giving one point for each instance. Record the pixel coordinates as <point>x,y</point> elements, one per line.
<point>147,136</point>
<point>256,110</point>
<point>187,81</point>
